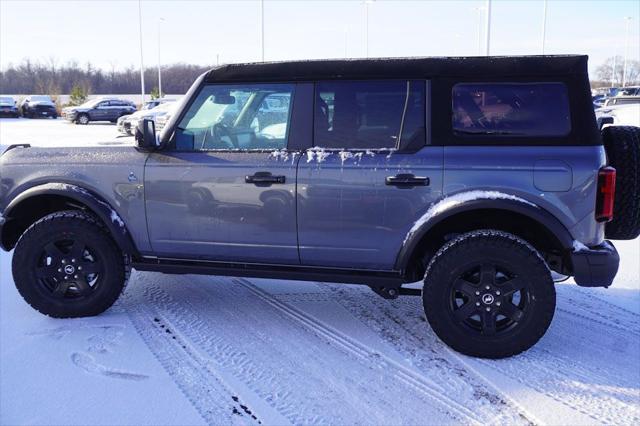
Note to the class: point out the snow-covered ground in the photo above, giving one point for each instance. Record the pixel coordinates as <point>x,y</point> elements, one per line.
<point>212,350</point>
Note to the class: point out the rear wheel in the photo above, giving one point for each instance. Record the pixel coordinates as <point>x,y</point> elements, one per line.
<point>488,294</point>
<point>66,265</point>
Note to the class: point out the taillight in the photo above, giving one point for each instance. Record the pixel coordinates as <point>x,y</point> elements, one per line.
<point>606,194</point>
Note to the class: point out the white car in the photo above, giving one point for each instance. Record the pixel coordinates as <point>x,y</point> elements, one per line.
<point>127,124</point>
<point>619,115</point>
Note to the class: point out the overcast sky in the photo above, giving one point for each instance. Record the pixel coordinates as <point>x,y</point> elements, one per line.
<point>105,32</point>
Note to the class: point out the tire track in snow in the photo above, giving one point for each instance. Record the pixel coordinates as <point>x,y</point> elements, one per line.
<point>575,301</point>
<point>273,357</point>
<point>407,331</point>
<point>412,378</point>
<point>193,376</point>
<point>568,381</point>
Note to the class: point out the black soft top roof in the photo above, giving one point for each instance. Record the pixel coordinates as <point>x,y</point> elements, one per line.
<point>429,67</point>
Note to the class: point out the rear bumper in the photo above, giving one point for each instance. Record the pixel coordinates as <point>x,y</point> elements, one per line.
<point>596,266</point>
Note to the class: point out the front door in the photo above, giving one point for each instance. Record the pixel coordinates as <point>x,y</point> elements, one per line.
<point>371,175</point>
<point>225,187</point>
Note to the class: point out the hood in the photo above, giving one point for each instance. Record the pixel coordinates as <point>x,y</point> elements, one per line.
<point>42,103</point>
<point>104,170</point>
<point>75,108</point>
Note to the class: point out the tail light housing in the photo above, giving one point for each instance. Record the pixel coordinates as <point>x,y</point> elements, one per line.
<point>606,194</point>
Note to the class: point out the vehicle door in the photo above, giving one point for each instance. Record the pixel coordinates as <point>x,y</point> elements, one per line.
<point>224,188</point>
<point>371,173</point>
<point>100,112</point>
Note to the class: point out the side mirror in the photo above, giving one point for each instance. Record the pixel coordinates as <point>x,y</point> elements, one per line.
<point>146,135</point>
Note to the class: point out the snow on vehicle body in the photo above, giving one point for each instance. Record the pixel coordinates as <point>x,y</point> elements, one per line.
<point>478,175</point>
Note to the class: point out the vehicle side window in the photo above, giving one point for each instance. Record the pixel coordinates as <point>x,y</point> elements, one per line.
<point>103,104</point>
<point>237,117</point>
<point>511,109</point>
<point>369,114</point>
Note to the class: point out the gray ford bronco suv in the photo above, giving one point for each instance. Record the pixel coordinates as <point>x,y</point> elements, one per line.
<point>484,177</point>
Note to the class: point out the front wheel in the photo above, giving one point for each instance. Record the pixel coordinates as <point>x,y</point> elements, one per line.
<point>489,294</point>
<point>83,119</point>
<point>66,265</point>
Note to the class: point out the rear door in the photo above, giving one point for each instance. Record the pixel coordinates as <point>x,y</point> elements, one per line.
<point>225,188</point>
<point>370,175</point>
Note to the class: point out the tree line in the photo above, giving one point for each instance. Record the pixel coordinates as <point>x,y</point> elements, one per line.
<point>49,78</point>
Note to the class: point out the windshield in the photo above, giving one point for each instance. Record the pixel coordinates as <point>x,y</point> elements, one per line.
<point>91,103</point>
<point>41,98</point>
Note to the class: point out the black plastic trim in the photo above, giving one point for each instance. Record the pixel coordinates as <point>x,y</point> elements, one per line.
<point>596,266</point>
<point>95,203</point>
<point>536,213</point>
<point>372,278</point>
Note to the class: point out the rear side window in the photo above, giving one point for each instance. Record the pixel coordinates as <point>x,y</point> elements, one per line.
<point>511,109</point>
<point>369,114</point>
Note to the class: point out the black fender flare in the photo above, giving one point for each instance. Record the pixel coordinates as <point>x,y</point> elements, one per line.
<point>509,203</point>
<point>111,219</point>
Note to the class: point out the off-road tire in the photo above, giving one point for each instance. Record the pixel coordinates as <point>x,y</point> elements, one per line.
<point>508,253</point>
<point>69,225</point>
<point>622,144</point>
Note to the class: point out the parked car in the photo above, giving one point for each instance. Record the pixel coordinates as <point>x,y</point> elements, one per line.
<point>621,100</point>
<point>155,102</point>
<point>128,123</point>
<point>8,107</point>
<point>479,176</point>
<point>619,115</point>
<point>38,106</point>
<point>104,109</point>
<point>628,91</point>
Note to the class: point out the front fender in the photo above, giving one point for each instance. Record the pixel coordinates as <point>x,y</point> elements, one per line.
<point>114,223</point>
<point>478,200</point>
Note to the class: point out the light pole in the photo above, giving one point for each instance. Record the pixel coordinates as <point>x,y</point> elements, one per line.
<point>626,50</point>
<point>141,58</point>
<point>613,72</point>
<point>488,29</point>
<point>262,27</point>
<point>160,21</point>
<point>366,4</point>
<point>544,24</point>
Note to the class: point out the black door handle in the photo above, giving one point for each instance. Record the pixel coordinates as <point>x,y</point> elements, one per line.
<point>407,180</point>
<point>264,179</point>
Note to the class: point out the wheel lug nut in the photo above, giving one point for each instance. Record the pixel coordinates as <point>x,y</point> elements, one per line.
<point>73,261</point>
<point>477,293</point>
<point>75,276</point>
<point>488,309</point>
<point>477,303</point>
<point>498,292</point>
<point>79,268</point>
<point>487,287</point>
<point>64,261</point>
<point>497,303</point>
<point>66,277</point>
<point>59,269</point>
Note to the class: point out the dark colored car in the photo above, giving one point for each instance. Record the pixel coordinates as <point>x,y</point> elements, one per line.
<point>480,177</point>
<point>8,107</point>
<point>38,106</point>
<point>99,110</point>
